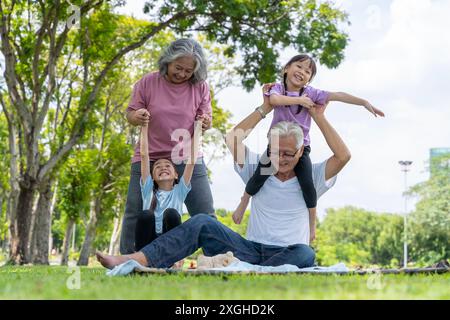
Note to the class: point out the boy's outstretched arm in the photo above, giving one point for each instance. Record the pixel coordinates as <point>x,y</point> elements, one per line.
<point>348,98</point>
<point>189,168</point>
<point>145,161</point>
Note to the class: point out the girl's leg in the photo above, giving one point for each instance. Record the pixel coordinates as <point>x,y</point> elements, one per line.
<point>262,173</point>
<point>303,171</point>
<point>171,219</point>
<point>145,230</point>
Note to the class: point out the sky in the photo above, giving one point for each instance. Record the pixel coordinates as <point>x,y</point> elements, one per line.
<point>398,59</point>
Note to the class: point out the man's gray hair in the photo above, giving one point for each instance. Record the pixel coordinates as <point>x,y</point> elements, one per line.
<point>185,48</point>
<point>287,128</point>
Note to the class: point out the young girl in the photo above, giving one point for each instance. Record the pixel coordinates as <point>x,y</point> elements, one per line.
<point>162,194</point>
<point>291,100</point>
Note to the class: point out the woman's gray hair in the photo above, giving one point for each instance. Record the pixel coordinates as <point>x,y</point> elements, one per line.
<point>287,128</point>
<point>185,48</point>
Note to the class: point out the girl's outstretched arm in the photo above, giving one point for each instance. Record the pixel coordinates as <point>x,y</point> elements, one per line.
<point>189,168</point>
<point>145,161</point>
<point>348,98</point>
<point>280,100</point>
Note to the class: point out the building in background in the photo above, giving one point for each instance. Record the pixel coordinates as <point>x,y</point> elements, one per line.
<point>435,155</point>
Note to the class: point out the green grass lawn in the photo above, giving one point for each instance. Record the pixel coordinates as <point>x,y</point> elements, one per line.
<point>51,283</point>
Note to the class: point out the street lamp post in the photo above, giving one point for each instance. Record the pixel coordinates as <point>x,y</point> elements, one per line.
<point>405,168</point>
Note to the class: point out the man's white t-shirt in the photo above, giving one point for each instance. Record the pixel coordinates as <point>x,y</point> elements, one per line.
<point>278,213</point>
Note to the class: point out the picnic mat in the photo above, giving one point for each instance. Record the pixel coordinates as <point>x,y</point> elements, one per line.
<point>241,267</point>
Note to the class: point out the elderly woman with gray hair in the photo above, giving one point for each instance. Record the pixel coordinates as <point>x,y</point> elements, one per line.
<point>169,101</point>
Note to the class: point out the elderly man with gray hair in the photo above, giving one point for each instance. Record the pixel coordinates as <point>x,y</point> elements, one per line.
<point>278,229</point>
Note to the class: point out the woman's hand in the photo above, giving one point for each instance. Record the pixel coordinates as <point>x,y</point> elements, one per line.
<point>140,117</point>
<point>206,121</point>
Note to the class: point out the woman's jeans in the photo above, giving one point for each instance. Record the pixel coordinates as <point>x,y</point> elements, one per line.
<point>198,200</point>
<point>203,231</point>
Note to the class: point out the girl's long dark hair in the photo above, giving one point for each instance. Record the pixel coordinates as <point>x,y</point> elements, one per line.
<point>155,188</point>
<point>300,58</point>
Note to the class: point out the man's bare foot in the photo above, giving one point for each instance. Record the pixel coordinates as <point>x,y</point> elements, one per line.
<point>238,214</point>
<point>111,261</point>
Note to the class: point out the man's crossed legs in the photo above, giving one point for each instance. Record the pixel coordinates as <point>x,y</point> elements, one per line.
<point>203,231</point>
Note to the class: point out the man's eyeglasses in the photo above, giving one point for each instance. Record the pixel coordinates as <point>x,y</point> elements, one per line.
<point>281,154</point>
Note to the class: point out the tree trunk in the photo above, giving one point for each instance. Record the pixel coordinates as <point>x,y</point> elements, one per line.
<point>21,253</point>
<point>90,233</point>
<point>66,243</point>
<point>31,236</point>
<point>52,206</point>
<point>13,196</point>
<point>115,236</point>
<point>42,224</point>
<point>12,230</point>
<point>5,240</point>
<point>113,243</point>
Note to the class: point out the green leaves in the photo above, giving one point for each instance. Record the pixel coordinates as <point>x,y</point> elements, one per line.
<point>430,223</point>
<point>319,35</point>
<point>261,29</point>
<point>359,237</point>
<point>4,178</point>
<point>77,178</point>
<point>66,101</point>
